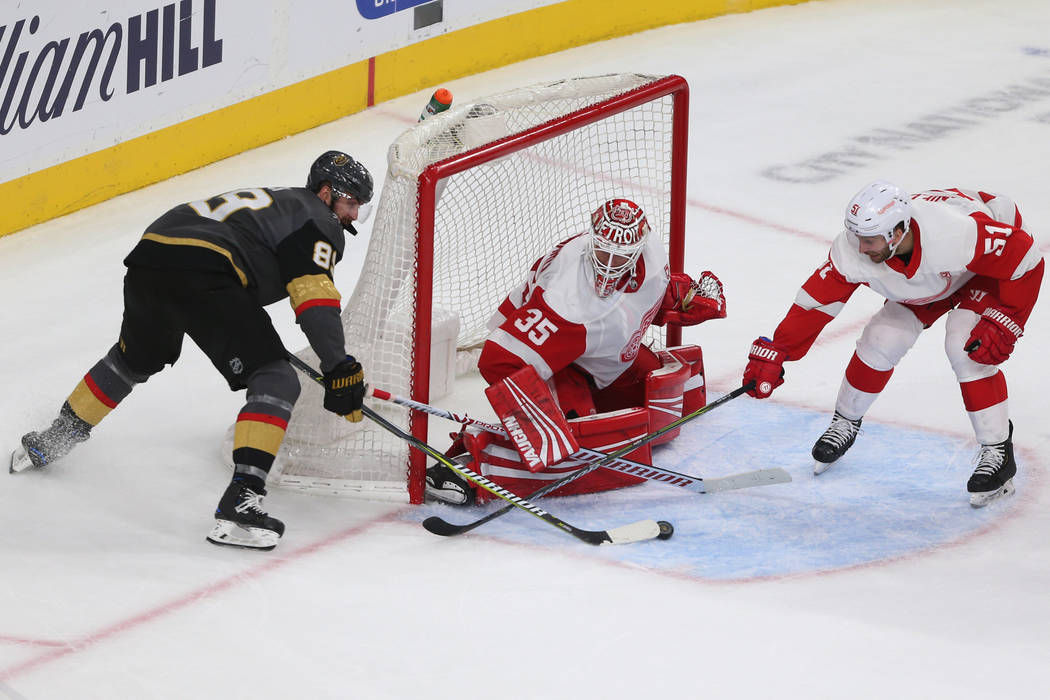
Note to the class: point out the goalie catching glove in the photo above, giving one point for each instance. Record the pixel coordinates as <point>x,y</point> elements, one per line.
<point>344,389</point>
<point>992,339</point>
<point>532,419</point>
<point>687,302</point>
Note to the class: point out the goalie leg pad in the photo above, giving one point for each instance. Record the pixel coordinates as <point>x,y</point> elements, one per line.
<point>695,396</point>
<point>532,418</point>
<point>496,457</point>
<point>664,390</point>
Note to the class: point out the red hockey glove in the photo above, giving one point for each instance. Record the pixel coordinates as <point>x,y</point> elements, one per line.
<point>687,303</point>
<point>532,418</point>
<point>765,366</point>
<point>344,389</point>
<point>992,339</point>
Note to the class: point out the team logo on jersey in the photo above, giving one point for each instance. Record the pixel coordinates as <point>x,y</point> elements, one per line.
<point>236,365</point>
<point>947,277</point>
<point>630,350</point>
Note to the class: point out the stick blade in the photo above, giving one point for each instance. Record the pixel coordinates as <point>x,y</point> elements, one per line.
<point>760,477</point>
<point>439,526</point>
<point>635,532</point>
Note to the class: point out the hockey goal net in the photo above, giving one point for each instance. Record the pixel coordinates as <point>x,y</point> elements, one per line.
<point>471,198</point>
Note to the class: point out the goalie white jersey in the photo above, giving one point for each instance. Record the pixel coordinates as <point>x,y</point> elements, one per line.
<point>555,318</point>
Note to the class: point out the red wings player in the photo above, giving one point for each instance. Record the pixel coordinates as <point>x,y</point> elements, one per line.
<point>957,252</point>
<point>566,362</point>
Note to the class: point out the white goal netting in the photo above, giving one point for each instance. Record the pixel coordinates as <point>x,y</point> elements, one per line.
<point>527,168</point>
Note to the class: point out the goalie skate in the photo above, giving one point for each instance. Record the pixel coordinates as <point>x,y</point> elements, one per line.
<point>445,485</point>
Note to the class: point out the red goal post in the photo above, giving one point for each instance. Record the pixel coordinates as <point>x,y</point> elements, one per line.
<point>472,197</point>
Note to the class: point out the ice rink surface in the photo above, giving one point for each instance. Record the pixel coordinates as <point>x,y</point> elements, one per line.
<point>875,580</point>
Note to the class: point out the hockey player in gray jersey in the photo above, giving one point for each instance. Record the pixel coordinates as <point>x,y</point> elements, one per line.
<point>206,269</point>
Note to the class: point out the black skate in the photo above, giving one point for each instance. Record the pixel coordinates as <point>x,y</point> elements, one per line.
<point>240,520</point>
<point>834,442</point>
<point>445,485</point>
<point>43,448</point>
<point>994,475</point>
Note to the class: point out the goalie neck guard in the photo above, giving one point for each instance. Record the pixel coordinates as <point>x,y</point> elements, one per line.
<point>619,229</point>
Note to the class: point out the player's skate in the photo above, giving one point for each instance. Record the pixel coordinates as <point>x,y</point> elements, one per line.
<point>834,442</point>
<point>240,520</point>
<point>994,475</point>
<point>444,484</point>
<point>42,448</point>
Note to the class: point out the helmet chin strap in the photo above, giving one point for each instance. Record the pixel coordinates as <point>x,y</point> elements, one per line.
<point>894,246</point>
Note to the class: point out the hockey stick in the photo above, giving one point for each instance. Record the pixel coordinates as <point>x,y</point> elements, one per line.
<point>635,532</point>
<point>586,456</point>
<point>442,527</point>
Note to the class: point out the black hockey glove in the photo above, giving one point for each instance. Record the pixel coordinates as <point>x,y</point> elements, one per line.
<point>344,389</point>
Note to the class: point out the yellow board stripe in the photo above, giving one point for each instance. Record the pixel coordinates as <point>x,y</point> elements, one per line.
<point>161,154</point>
<point>196,242</point>
<point>549,29</point>
<point>164,153</point>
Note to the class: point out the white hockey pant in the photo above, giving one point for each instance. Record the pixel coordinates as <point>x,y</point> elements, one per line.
<point>888,337</point>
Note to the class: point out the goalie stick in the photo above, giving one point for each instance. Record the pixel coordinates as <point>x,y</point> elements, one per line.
<point>442,527</point>
<point>634,532</point>
<point>586,456</point>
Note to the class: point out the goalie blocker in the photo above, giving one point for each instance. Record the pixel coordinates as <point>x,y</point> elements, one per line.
<point>674,389</point>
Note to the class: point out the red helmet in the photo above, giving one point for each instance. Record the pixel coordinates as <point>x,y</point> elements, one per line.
<point>619,231</point>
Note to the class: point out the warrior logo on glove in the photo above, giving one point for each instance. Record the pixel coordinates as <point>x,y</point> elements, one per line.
<point>344,389</point>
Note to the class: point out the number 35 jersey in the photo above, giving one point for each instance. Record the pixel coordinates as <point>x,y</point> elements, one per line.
<point>279,242</point>
<point>555,318</point>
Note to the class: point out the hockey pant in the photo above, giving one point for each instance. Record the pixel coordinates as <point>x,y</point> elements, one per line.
<point>225,321</point>
<point>893,330</point>
<point>674,384</point>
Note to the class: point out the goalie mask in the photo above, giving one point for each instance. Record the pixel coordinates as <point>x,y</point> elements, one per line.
<point>618,235</point>
<point>877,210</point>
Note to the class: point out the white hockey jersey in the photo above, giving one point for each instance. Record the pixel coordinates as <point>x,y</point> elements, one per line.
<point>555,318</point>
<point>957,235</point>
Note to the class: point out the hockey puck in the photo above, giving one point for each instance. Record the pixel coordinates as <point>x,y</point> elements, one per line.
<point>666,530</point>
